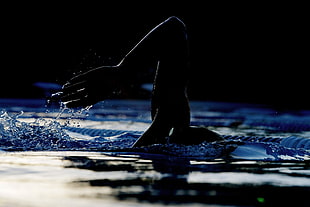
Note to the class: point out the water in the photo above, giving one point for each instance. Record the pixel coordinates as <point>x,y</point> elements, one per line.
<point>59,157</point>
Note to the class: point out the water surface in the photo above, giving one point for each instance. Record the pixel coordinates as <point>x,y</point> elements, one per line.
<point>59,157</point>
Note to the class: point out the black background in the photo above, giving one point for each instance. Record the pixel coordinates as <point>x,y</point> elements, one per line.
<point>254,53</point>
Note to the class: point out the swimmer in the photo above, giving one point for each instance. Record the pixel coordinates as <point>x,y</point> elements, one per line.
<point>165,46</point>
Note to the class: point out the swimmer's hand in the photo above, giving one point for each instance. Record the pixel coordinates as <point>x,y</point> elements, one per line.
<point>91,87</point>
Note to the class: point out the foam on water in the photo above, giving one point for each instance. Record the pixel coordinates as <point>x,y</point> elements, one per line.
<point>50,134</point>
<point>46,134</point>
<point>41,134</point>
<point>62,132</point>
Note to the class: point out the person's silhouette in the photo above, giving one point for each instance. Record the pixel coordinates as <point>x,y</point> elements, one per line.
<point>166,47</point>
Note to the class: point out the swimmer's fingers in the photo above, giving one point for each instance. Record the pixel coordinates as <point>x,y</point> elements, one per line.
<point>78,94</point>
<point>81,94</point>
<point>68,90</point>
<point>77,82</point>
<point>74,95</point>
<point>81,98</point>
<point>73,87</point>
<point>82,102</point>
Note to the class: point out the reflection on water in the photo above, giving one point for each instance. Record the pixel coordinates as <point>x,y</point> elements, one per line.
<point>59,158</point>
<point>101,179</point>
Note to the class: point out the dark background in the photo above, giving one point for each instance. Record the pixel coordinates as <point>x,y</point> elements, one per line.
<point>257,53</point>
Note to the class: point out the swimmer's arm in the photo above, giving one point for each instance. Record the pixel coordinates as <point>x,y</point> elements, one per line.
<point>103,82</point>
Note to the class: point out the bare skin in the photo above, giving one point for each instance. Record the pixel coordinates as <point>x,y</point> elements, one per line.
<point>164,47</point>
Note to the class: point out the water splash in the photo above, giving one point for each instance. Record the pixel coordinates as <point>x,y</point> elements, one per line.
<point>41,134</point>
<point>50,134</point>
<point>53,134</point>
<point>63,132</point>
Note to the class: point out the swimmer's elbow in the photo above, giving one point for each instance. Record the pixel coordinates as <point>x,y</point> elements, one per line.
<point>176,21</point>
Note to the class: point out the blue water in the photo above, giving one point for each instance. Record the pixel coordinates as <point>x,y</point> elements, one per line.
<point>84,157</point>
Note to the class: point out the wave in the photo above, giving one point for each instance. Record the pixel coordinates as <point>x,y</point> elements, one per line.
<point>52,134</point>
